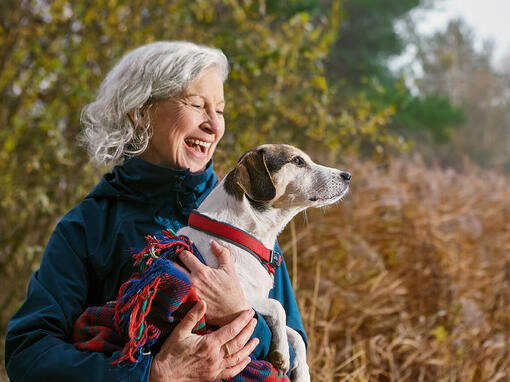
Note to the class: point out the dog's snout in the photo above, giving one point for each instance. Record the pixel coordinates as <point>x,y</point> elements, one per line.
<point>346,175</point>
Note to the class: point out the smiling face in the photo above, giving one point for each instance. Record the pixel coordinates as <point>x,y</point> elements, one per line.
<point>186,129</point>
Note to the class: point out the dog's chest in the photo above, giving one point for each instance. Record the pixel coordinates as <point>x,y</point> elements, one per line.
<point>254,278</point>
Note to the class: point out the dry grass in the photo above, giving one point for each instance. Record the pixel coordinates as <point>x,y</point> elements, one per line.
<point>409,279</point>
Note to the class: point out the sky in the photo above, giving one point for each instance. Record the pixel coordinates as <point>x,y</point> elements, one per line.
<point>488,18</point>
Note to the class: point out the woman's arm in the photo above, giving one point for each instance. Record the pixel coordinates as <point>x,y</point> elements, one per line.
<point>39,336</point>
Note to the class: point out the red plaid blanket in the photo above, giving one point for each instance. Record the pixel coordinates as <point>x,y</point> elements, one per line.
<point>149,305</point>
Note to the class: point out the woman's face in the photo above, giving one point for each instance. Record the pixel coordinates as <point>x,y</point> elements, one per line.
<point>186,129</point>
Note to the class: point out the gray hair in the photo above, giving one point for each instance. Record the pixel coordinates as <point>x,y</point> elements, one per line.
<point>149,73</point>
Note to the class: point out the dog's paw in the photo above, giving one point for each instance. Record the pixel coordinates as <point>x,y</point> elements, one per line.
<point>279,361</point>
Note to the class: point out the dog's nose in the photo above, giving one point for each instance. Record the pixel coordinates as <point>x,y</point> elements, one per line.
<point>346,175</point>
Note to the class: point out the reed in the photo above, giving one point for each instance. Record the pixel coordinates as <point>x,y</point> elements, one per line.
<point>409,278</point>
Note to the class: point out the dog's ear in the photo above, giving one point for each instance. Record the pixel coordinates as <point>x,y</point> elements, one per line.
<point>253,177</point>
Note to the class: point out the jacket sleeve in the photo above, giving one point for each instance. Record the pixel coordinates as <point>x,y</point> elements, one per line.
<point>39,336</point>
<point>282,291</point>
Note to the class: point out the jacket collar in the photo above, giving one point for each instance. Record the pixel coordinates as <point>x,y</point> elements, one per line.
<point>142,181</point>
<point>153,181</point>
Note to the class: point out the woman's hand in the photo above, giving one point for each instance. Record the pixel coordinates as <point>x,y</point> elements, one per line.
<point>185,356</point>
<point>218,287</point>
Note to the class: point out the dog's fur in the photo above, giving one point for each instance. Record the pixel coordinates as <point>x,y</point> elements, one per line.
<point>267,188</point>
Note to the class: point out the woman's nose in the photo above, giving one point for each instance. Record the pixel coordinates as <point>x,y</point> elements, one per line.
<point>211,122</point>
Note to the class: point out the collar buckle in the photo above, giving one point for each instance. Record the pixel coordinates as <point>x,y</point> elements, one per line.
<point>275,259</point>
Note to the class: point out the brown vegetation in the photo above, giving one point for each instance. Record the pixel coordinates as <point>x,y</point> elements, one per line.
<point>409,279</point>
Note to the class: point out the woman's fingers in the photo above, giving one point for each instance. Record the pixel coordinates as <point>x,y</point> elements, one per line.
<point>207,354</point>
<point>191,318</point>
<point>232,371</point>
<point>242,354</point>
<point>191,261</point>
<point>232,329</point>
<point>237,343</point>
<point>221,252</point>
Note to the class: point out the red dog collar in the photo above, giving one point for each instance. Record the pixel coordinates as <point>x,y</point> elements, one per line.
<point>268,257</point>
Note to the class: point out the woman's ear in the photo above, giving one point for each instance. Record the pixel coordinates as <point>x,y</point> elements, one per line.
<point>143,116</point>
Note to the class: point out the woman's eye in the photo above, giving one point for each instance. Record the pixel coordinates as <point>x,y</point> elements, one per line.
<point>219,112</point>
<point>298,161</point>
<point>196,105</point>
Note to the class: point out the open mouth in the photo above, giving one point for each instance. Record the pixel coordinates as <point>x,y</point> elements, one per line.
<point>197,146</point>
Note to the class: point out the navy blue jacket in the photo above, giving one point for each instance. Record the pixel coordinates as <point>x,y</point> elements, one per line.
<point>88,258</point>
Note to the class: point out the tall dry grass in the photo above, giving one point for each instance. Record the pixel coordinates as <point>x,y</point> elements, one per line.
<point>409,278</point>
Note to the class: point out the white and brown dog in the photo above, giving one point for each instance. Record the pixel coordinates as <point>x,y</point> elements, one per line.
<point>267,188</point>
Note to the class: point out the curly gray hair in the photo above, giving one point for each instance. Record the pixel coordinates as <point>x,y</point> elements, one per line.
<point>149,73</point>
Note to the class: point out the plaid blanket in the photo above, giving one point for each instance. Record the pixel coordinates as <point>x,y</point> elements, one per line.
<point>149,305</point>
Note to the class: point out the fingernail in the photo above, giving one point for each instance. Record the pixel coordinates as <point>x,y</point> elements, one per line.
<point>253,322</point>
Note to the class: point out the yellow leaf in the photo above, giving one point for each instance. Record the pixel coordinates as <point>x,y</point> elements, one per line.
<point>440,333</point>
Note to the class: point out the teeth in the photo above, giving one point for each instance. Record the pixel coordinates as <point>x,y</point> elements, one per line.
<point>198,142</point>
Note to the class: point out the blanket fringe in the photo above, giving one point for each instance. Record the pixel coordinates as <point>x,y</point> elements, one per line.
<point>137,294</point>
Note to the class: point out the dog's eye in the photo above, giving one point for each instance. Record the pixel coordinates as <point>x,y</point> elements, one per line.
<point>298,161</point>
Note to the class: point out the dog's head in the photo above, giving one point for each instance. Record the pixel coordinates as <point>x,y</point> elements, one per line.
<point>280,176</point>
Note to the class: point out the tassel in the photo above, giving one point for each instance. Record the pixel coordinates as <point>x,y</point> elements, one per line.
<point>137,294</point>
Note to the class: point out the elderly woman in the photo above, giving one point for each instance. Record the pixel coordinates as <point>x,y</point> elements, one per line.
<point>159,113</point>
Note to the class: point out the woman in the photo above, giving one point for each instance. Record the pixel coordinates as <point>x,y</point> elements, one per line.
<point>160,111</point>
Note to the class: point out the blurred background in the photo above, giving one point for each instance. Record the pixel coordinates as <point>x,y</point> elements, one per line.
<point>408,279</point>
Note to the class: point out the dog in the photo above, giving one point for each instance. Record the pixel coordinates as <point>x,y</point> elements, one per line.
<point>268,187</point>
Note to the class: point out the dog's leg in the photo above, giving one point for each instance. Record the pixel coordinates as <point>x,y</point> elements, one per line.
<point>300,372</point>
<point>275,317</point>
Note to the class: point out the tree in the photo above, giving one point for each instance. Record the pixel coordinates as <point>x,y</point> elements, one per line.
<point>360,56</point>
<point>367,39</point>
<point>453,67</point>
